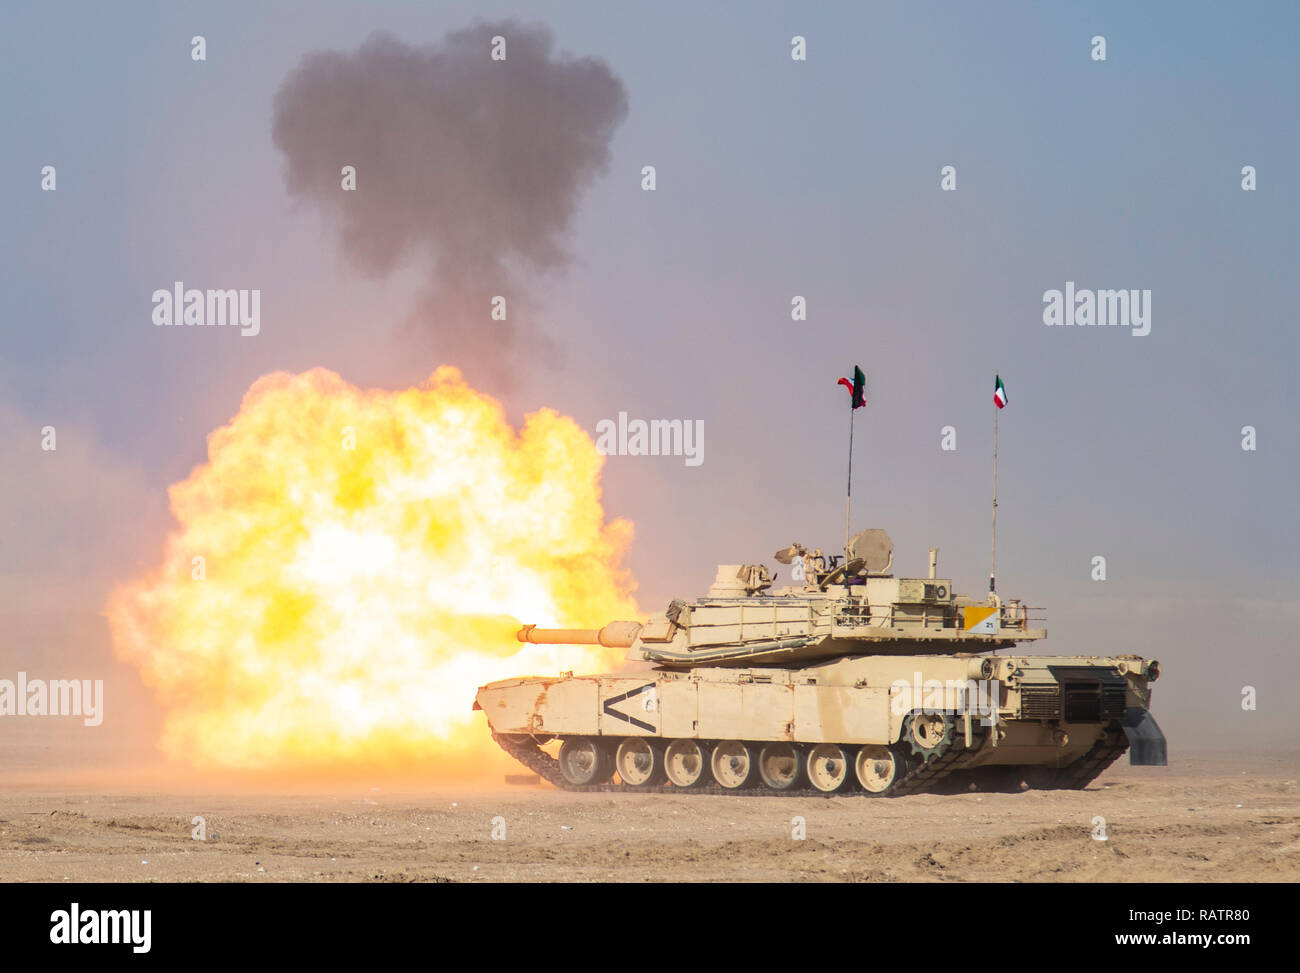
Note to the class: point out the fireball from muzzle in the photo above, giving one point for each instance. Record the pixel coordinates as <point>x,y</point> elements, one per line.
<point>350,565</point>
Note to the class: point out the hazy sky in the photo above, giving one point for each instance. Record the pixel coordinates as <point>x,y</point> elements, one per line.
<point>775,178</point>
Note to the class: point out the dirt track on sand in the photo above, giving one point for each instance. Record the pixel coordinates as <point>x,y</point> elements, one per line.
<point>1205,818</point>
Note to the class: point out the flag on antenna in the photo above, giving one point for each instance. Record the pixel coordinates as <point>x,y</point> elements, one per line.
<point>999,392</point>
<point>857,388</point>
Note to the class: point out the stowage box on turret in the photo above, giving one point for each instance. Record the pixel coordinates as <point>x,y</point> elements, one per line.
<point>848,679</point>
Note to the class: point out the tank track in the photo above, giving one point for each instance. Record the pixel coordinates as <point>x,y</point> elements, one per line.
<point>1112,745</point>
<point>920,775</point>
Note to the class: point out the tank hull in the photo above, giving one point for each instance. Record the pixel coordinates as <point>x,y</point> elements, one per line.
<point>924,719</point>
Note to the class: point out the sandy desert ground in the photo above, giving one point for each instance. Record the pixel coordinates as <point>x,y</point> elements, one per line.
<point>1207,818</point>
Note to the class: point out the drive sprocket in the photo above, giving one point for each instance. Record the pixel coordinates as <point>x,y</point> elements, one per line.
<point>928,734</point>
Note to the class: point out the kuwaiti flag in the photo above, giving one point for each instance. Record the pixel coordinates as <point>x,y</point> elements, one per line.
<point>857,387</point>
<point>999,392</point>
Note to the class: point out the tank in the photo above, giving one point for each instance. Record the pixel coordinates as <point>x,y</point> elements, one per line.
<point>846,680</point>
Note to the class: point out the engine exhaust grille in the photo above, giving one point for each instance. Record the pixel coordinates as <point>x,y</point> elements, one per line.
<point>1040,702</point>
<point>1081,696</point>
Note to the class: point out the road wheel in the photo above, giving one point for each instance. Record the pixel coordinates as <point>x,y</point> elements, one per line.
<point>584,760</point>
<point>639,762</point>
<point>878,769</point>
<point>686,763</point>
<point>780,765</point>
<point>733,764</point>
<point>828,767</point>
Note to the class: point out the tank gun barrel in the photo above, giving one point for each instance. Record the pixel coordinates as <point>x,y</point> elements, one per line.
<point>616,635</point>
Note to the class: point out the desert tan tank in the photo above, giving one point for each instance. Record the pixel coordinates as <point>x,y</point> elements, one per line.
<point>849,679</point>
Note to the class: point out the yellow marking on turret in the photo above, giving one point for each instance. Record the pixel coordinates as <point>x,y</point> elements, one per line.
<point>980,619</point>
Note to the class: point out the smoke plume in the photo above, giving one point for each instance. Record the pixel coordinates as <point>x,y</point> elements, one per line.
<point>469,165</point>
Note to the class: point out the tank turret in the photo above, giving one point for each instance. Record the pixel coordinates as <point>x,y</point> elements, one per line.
<point>833,607</point>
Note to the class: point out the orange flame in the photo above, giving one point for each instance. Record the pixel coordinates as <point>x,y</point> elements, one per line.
<point>366,558</point>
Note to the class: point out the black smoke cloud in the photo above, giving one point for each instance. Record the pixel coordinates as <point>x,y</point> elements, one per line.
<point>471,166</point>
